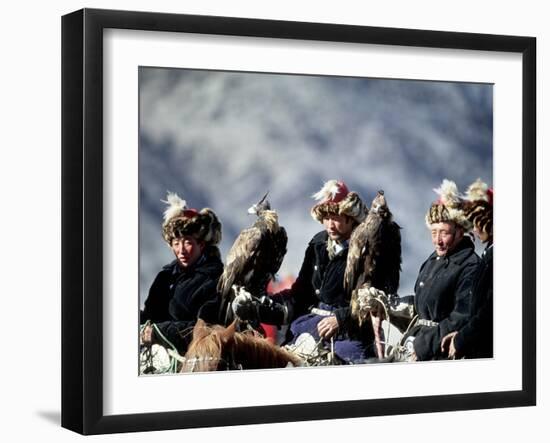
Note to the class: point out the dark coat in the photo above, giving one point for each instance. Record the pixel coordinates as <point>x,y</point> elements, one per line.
<point>442,295</point>
<point>475,339</point>
<point>177,296</point>
<point>320,283</point>
<point>321,280</point>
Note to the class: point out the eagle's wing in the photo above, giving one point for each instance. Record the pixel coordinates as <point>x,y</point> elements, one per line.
<point>358,244</point>
<point>280,241</point>
<point>267,260</point>
<point>390,262</point>
<point>240,259</point>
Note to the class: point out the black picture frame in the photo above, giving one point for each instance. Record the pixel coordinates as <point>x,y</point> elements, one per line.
<point>82,218</point>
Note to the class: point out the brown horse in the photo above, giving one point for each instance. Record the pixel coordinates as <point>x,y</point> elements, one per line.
<point>216,348</point>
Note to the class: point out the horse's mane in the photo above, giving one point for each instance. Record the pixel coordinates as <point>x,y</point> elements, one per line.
<point>217,347</point>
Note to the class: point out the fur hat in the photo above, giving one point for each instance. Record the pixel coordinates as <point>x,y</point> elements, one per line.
<point>179,220</point>
<point>449,207</point>
<point>334,198</point>
<point>478,207</point>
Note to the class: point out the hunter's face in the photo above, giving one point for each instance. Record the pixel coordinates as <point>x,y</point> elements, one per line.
<point>445,237</point>
<point>338,227</point>
<point>187,250</point>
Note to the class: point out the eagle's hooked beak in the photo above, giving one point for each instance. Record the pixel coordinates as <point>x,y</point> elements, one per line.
<point>254,209</point>
<point>263,198</point>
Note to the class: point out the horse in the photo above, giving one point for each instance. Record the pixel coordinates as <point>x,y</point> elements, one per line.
<point>218,348</point>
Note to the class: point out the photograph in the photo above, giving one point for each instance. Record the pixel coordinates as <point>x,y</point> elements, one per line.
<point>290,220</point>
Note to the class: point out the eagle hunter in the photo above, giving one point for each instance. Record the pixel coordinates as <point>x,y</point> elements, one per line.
<point>255,257</point>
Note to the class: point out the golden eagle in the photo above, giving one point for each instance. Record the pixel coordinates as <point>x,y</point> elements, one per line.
<point>374,255</point>
<point>255,257</point>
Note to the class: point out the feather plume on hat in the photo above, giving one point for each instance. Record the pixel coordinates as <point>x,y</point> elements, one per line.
<point>330,190</point>
<point>448,207</point>
<point>478,207</point>
<point>448,194</point>
<point>176,206</point>
<point>179,220</point>
<point>335,198</point>
<point>479,190</point>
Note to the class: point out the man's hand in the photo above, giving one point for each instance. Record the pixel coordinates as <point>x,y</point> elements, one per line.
<point>147,335</point>
<point>449,342</point>
<point>327,327</point>
<point>409,349</point>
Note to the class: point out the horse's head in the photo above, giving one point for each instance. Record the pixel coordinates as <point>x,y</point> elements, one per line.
<point>206,350</point>
<point>215,348</point>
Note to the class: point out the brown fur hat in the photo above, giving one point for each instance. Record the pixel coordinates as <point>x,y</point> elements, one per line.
<point>449,207</point>
<point>478,206</point>
<point>335,198</point>
<point>180,220</point>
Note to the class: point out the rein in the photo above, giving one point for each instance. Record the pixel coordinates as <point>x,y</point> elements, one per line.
<point>148,354</point>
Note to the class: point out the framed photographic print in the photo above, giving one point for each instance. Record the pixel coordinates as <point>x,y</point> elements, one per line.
<point>221,111</point>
